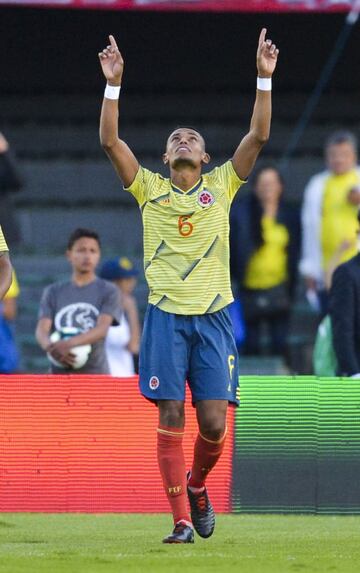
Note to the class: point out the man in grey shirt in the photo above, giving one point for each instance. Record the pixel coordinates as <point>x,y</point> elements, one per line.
<point>85,302</point>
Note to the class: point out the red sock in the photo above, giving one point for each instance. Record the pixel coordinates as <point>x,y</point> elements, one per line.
<point>206,454</point>
<point>173,472</point>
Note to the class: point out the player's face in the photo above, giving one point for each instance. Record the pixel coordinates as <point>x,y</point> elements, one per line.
<point>268,187</point>
<point>341,157</point>
<point>185,147</point>
<point>84,255</point>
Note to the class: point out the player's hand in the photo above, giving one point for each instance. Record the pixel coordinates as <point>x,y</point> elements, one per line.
<point>266,57</point>
<point>112,63</point>
<point>61,352</point>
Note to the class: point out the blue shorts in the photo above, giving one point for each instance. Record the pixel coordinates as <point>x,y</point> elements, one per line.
<point>197,348</point>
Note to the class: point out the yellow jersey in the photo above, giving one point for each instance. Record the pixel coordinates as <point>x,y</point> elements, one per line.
<point>186,239</point>
<point>14,289</point>
<point>339,217</point>
<point>267,267</point>
<point>3,245</point>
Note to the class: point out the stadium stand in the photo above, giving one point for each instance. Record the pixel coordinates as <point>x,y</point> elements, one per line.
<point>68,181</point>
<point>51,120</point>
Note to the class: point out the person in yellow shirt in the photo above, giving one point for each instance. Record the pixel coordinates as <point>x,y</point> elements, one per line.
<point>9,356</point>
<point>265,245</point>
<point>9,307</point>
<point>329,215</point>
<point>5,267</point>
<point>187,330</point>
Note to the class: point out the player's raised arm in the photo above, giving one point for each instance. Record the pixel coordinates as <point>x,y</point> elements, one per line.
<point>245,156</point>
<point>120,154</point>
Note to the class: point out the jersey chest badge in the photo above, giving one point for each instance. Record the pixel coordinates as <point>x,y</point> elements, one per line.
<point>205,198</point>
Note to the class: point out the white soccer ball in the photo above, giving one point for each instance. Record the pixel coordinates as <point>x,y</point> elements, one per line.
<point>81,352</point>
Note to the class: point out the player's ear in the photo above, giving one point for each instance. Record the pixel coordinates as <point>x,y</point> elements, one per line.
<point>68,254</point>
<point>165,158</point>
<point>206,158</point>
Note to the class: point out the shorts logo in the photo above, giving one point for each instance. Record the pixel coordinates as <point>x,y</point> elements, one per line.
<point>205,198</point>
<point>154,383</point>
<point>231,364</point>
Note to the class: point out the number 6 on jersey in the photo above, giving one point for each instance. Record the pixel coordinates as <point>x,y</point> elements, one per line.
<point>184,225</point>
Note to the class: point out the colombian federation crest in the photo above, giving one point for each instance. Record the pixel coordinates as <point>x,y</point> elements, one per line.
<point>205,198</point>
<point>154,383</point>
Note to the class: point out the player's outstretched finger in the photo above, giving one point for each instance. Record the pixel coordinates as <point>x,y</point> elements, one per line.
<point>113,42</point>
<point>262,36</point>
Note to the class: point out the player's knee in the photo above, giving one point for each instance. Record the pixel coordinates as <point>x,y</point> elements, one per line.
<point>171,414</point>
<point>213,428</point>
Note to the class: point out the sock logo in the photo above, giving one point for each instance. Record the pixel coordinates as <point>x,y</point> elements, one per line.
<point>175,490</point>
<point>154,383</point>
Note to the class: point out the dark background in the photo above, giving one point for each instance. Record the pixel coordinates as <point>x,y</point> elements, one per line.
<point>189,68</point>
<point>56,50</point>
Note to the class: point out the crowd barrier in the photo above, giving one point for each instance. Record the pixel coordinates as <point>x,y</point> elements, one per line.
<point>88,443</point>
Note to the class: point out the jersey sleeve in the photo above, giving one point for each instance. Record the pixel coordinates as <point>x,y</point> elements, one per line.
<point>47,306</point>
<point>3,245</point>
<point>227,178</point>
<point>14,289</point>
<point>144,185</point>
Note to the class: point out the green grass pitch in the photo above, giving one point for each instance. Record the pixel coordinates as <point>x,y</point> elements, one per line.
<point>109,543</point>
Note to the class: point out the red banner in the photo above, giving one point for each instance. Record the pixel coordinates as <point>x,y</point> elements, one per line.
<point>199,5</point>
<point>88,443</point>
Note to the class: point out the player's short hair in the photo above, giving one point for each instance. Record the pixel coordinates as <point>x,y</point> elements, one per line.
<point>187,127</point>
<point>342,136</point>
<point>79,234</point>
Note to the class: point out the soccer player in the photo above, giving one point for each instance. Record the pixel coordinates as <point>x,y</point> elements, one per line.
<point>85,302</point>
<point>5,267</point>
<point>187,331</point>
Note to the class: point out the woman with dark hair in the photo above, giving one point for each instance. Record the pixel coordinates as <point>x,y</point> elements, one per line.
<point>265,244</point>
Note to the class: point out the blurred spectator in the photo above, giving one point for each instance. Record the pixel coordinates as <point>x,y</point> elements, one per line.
<point>9,356</point>
<point>9,182</point>
<point>329,215</point>
<point>122,341</point>
<point>86,303</point>
<point>265,242</point>
<point>345,314</point>
<point>324,357</point>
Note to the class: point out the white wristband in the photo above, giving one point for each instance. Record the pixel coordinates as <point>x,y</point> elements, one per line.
<point>264,84</point>
<point>112,92</point>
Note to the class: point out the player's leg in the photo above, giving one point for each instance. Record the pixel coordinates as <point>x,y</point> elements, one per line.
<point>213,380</point>
<point>172,467</point>
<point>209,445</point>
<point>163,367</point>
